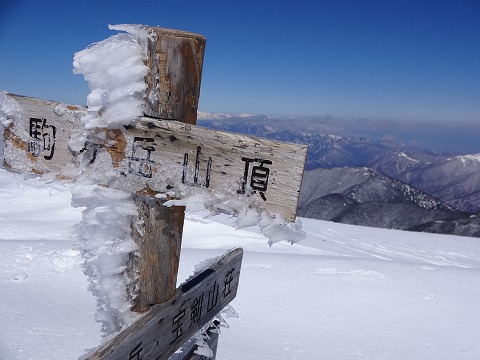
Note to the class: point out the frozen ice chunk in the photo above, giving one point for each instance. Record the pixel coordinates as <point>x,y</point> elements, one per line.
<point>10,110</point>
<point>115,71</point>
<point>104,239</point>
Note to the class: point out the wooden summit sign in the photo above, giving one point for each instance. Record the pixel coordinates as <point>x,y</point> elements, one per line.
<point>163,155</point>
<point>161,331</point>
<point>162,152</point>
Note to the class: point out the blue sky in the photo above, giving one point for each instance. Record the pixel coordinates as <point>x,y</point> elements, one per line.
<point>389,59</point>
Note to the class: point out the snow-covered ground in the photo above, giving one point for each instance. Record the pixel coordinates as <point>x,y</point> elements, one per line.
<point>345,292</point>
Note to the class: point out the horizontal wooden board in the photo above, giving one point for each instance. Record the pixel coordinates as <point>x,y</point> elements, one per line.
<point>161,331</point>
<point>167,157</point>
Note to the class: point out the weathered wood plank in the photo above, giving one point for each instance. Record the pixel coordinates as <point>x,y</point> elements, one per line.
<point>175,62</point>
<point>158,236</point>
<point>162,330</point>
<point>169,156</point>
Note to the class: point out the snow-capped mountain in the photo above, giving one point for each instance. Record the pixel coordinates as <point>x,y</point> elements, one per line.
<point>362,196</point>
<point>455,180</point>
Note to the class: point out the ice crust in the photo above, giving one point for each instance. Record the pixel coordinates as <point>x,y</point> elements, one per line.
<point>115,71</point>
<point>10,111</point>
<point>104,238</point>
<point>10,117</point>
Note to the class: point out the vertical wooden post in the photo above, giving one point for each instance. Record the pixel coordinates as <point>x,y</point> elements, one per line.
<point>158,237</point>
<point>175,60</point>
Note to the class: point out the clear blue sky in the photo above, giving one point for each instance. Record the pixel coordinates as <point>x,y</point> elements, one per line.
<point>393,59</point>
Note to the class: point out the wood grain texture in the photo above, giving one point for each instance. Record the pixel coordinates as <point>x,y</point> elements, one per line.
<point>158,235</point>
<point>175,62</point>
<point>161,331</point>
<point>169,156</point>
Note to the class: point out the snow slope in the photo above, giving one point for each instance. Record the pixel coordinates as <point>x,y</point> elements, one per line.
<point>345,292</point>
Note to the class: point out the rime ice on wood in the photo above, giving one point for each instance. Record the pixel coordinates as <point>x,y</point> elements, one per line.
<point>115,71</point>
<point>175,62</point>
<point>147,71</point>
<point>104,238</point>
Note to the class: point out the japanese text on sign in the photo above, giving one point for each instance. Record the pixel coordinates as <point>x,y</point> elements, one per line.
<point>256,171</point>
<point>42,138</point>
<point>258,176</point>
<point>201,305</point>
<point>140,162</point>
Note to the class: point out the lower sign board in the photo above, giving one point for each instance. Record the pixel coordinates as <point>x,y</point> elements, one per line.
<point>163,330</point>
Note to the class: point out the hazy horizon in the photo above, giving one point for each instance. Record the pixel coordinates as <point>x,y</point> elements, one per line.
<point>446,137</point>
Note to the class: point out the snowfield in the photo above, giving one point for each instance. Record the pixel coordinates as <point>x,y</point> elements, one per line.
<point>345,292</point>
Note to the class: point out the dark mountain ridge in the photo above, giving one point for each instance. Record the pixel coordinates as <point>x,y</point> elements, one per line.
<point>361,196</point>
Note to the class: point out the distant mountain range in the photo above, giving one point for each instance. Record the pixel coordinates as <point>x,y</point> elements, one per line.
<point>447,138</point>
<point>361,196</point>
<point>377,183</point>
